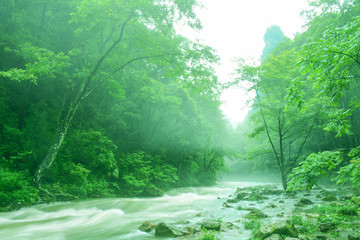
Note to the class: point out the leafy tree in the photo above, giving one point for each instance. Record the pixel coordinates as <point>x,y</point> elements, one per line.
<point>108,88</point>
<point>285,127</point>
<point>331,66</point>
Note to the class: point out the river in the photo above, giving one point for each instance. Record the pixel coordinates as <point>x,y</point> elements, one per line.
<point>119,218</point>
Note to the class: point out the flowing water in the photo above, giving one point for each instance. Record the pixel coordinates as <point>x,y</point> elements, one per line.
<point>119,218</point>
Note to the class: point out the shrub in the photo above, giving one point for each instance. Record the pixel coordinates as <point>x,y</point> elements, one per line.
<point>16,189</point>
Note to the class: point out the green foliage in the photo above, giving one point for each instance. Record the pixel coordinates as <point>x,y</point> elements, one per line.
<point>308,224</point>
<point>252,225</point>
<point>316,165</point>
<point>331,213</point>
<point>16,189</point>
<point>350,173</point>
<point>143,174</point>
<point>129,107</point>
<point>210,235</point>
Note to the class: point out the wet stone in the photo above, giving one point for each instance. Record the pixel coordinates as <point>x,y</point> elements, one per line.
<point>147,226</point>
<point>255,214</point>
<point>329,198</point>
<point>305,201</point>
<point>281,228</point>
<point>166,230</point>
<point>215,226</point>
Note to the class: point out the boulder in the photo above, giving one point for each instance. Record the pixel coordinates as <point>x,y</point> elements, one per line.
<point>329,198</point>
<point>166,230</point>
<point>212,225</point>
<point>305,201</point>
<point>192,230</point>
<point>274,237</point>
<point>281,228</point>
<point>147,226</point>
<point>241,195</point>
<point>255,196</point>
<point>255,214</point>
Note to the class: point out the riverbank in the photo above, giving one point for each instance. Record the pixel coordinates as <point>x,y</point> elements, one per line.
<point>271,214</point>
<point>322,213</point>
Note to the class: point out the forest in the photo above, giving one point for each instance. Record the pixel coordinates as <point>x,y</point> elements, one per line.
<point>304,122</point>
<point>104,98</point>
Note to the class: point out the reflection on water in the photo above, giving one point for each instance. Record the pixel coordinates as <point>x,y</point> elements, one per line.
<point>119,218</point>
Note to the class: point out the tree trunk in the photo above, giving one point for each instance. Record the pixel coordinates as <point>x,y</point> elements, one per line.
<point>83,93</point>
<point>283,180</point>
<point>55,147</point>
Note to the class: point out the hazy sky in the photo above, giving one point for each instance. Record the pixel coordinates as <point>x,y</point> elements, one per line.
<point>235,28</point>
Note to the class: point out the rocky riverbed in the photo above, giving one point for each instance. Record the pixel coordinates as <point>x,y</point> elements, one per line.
<point>269,213</point>
<point>227,211</point>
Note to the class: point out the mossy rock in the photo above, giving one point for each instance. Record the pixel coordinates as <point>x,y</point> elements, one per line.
<point>211,226</point>
<point>282,228</point>
<point>166,230</point>
<point>305,201</point>
<point>329,198</point>
<point>255,214</point>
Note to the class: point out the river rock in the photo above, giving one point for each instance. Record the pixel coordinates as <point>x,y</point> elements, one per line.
<point>227,225</point>
<point>212,225</point>
<point>325,227</point>
<point>166,230</point>
<point>254,196</point>
<point>281,228</point>
<point>274,237</point>
<point>330,198</point>
<point>226,205</point>
<point>241,196</point>
<point>305,201</point>
<point>255,214</point>
<point>147,226</point>
<point>271,205</point>
<point>232,200</point>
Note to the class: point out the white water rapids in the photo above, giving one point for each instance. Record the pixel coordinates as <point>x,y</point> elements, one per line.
<point>119,218</point>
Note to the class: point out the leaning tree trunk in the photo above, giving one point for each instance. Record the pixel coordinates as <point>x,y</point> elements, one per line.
<point>56,144</point>
<point>83,93</point>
